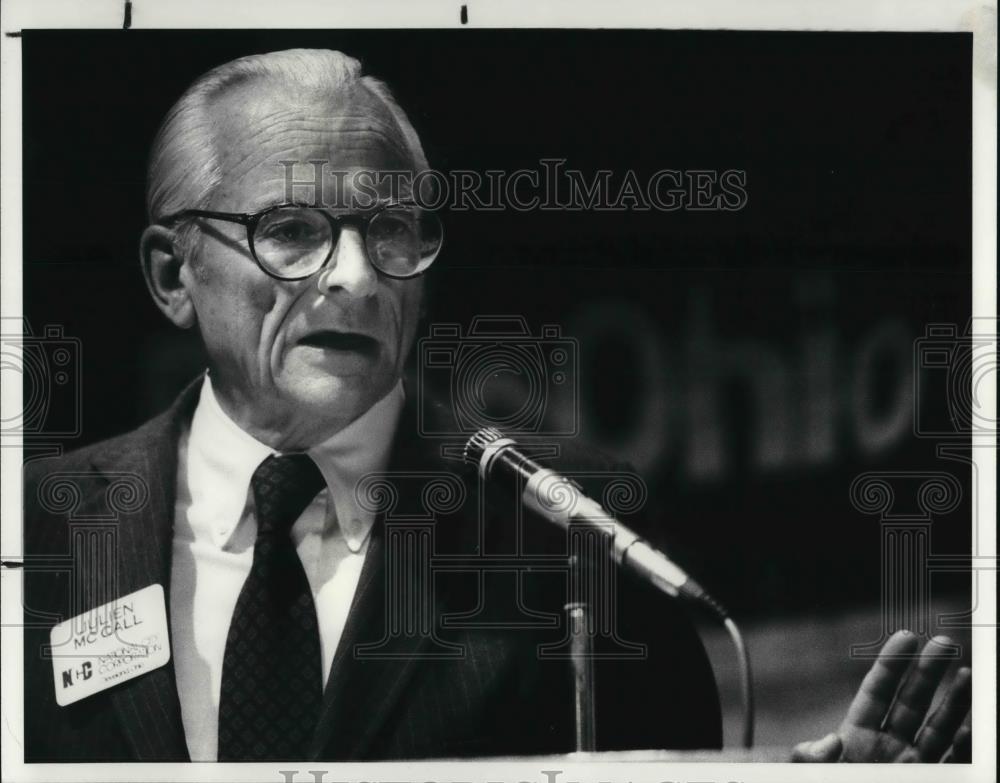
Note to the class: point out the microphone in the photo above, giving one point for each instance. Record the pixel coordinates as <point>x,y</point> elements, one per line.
<point>562,501</point>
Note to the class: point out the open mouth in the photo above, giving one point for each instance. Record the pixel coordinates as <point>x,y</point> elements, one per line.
<point>342,341</point>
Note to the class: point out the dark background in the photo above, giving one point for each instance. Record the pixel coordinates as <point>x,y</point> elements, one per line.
<point>751,364</point>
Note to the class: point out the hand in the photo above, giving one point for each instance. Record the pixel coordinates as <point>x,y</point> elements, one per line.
<point>879,727</point>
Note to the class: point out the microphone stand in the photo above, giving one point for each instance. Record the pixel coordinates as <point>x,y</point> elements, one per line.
<point>582,660</point>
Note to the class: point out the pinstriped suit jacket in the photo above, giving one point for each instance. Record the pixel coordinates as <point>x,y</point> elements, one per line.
<point>466,675</point>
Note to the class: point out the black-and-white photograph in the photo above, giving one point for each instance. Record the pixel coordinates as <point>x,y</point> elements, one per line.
<point>470,393</point>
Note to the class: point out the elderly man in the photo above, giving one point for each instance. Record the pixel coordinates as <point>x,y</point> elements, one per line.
<point>276,577</point>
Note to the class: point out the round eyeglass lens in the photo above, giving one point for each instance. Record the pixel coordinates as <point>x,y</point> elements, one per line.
<point>402,241</point>
<point>293,242</point>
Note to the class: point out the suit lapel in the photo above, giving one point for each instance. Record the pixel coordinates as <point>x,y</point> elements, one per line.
<point>148,707</point>
<point>355,687</point>
<point>372,666</point>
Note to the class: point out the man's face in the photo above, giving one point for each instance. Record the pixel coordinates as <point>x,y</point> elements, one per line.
<point>301,358</point>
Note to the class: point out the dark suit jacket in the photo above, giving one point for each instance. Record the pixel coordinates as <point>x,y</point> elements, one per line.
<point>469,676</point>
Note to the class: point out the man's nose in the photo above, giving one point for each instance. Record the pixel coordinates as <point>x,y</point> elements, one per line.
<point>349,268</point>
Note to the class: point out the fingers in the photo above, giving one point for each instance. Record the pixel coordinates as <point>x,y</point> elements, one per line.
<point>961,746</point>
<point>914,698</point>
<point>892,703</point>
<point>943,727</point>
<point>870,705</point>
<point>823,750</point>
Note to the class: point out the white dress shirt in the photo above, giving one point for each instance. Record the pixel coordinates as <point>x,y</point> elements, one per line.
<point>214,534</point>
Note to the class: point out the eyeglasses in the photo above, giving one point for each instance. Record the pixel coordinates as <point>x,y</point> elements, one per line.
<point>293,242</point>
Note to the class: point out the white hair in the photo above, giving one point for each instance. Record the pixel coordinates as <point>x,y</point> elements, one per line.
<point>183,166</point>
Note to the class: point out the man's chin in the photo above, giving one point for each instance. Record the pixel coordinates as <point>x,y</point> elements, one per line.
<point>339,362</point>
<point>332,399</point>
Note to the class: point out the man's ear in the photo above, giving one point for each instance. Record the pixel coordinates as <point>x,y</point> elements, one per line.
<point>168,275</point>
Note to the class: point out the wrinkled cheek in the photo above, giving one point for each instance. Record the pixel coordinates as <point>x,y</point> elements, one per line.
<point>271,309</point>
<point>262,299</point>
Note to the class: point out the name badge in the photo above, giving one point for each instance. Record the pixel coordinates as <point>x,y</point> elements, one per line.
<point>110,644</point>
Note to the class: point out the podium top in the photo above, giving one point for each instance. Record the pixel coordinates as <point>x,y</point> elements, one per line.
<point>769,754</point>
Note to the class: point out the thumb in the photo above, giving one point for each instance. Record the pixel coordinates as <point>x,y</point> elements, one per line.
<point>818,751</point>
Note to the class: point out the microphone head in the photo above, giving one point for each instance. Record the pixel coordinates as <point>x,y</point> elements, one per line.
<point>477,444</point>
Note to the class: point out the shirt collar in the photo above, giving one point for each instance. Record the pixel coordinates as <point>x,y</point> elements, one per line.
<point>362,447</point>
<point>221,458</point>
<point>229,456</point>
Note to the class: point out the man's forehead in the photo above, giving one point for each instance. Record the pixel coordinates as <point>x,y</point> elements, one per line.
<point>349,129</point>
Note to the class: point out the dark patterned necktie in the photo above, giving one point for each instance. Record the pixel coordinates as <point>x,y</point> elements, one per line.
<point>272,679</point>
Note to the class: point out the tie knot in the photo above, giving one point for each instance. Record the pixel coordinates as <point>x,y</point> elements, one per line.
<point>282,488</point>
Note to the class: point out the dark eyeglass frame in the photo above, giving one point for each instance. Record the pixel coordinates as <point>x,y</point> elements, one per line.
<point>251,219</point>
